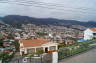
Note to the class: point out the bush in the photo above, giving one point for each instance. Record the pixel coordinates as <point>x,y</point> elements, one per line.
<point>29,55</point>
<point>40,52</point>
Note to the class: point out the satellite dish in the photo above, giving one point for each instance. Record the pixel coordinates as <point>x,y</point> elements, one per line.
<point>25,60</point>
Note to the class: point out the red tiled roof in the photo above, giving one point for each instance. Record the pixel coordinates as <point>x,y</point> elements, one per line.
<point>93,29</point>
<point>34,42</point>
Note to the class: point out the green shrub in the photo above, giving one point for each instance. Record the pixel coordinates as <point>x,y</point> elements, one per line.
<point>40,52</point>
<point>30,55</point>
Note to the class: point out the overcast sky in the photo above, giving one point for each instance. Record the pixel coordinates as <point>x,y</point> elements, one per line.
<point>82,10</point>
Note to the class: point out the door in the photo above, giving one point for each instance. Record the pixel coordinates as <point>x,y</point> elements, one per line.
<point>22,52</point>
<point>46,50</point>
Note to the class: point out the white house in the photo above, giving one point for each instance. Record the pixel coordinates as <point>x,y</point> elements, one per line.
<point>89,33</point>
<point>34,45</point>
<point>31,46</point>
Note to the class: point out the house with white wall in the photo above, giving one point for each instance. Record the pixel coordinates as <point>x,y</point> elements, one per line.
<point>32,46</point>
<point>90,33</point>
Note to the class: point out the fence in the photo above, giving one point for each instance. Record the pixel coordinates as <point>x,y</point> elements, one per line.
<point>64,53</point>
<point>47,58</point>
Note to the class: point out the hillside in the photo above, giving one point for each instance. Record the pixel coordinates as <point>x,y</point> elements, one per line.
<point>17,20</point>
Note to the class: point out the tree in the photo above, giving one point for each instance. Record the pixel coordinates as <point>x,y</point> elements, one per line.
<point>17,45</point>
<point>1,42</point>
<point>10,36</point>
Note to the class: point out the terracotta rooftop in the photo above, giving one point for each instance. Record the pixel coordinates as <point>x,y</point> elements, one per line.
<point>93,29</point>
<point>34,42</point>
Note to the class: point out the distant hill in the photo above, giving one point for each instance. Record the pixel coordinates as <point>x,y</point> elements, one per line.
<point>17,20</point>
<point>1,22</point>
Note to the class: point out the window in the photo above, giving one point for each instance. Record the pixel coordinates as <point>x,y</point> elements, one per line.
<point>46,49</point>
<point>30,51</point>
<point>37,49</point>
<point>53,48</point>
<point>94,33</point>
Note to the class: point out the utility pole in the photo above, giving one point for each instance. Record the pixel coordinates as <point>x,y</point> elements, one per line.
<point>30,59</point>
<point>18,60</point>
<point>41,58</point>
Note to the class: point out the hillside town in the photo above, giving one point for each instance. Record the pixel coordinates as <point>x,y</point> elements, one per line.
<point>31,40</point>
<point>47,31</point>
<point>50,32</point>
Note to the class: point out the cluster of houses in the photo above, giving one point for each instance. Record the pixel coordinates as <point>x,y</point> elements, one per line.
<point>32,45</point>
<point>8,46</point>
<point>30,42</point>
<point>58,34</point>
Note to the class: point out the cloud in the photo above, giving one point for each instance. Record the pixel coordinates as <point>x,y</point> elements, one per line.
<point>83,10</point>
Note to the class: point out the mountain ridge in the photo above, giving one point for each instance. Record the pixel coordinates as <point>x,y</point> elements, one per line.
<point>18,20</point>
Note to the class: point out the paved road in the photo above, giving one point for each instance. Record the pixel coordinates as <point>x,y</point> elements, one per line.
<point>88,57</point>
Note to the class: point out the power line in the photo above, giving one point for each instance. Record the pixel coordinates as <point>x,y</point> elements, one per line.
<point>54,4</point>
<point>38,5</point>
<point>49,4</point>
